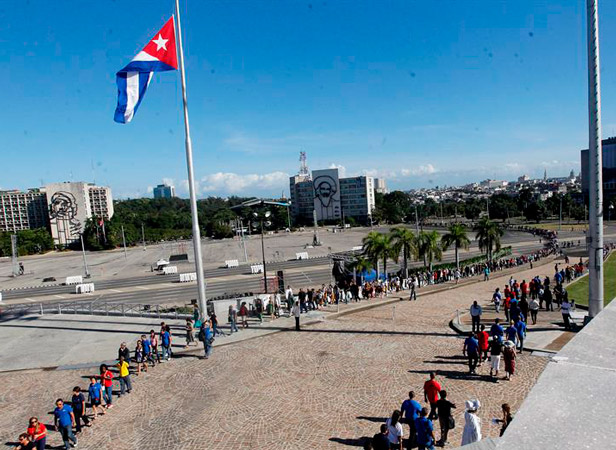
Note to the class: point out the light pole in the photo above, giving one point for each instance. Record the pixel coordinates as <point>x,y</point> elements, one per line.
<point>261,218</point>
<point>85,262</point>
<point>560,214</point>
<point>416,221</point>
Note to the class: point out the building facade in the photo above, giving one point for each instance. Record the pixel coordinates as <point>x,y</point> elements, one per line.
<point>609,168</point>
<point>302,198</point>
<point>23,210</point>
<point>164,191</point>
<point>63,208</point>
<point>357,197</point>
<point>380,186</point>
<point>330,197</point>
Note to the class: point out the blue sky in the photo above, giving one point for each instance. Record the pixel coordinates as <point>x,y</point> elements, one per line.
<point>420,93</point>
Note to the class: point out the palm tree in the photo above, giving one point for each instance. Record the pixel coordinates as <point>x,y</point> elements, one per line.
<point>403,241</point>
<point>456,236</point>
<point>376,246</point>
<point>488,235</point>
<point>429,247</point>
<point>361,265</point>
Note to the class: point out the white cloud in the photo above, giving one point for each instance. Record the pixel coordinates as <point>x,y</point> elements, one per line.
<point>234,183</point>
<point>341,169</point>
<point>150,189</point>
<point>169,181</point>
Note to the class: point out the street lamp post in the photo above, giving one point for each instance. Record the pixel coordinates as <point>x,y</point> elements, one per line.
<point>85,262</point>
<point>261,218</point>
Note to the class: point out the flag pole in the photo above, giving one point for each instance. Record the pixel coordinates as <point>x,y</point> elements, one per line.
<point>595,167</point>
<point>191,180</point>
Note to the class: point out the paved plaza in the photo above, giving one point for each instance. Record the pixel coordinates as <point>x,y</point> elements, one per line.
<point>329,386</point>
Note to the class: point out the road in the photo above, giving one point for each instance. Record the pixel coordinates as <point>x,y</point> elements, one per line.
<point>166,289</point>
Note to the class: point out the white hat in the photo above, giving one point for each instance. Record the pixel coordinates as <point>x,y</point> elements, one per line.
<point>472,405</point>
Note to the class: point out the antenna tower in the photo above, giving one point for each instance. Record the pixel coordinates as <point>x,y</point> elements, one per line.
<point>303,167</point>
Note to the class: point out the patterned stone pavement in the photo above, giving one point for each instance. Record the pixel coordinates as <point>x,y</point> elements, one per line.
<point>326,387</point>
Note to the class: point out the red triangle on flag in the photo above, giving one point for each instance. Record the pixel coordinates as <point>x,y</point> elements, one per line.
<point>162,45</point>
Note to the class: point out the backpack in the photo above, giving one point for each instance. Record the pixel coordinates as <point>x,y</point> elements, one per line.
<point>201,336</point>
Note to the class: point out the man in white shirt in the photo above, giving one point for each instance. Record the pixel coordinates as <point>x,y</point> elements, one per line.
<point>565,309</point>
<point>476,311</point>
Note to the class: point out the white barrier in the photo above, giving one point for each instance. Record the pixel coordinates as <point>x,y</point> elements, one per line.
<point>257,268</point>
<point>170,270</point>
<point>232,263</point>
<point>357,248</point>
<point>187,277</point>
<point>78,279</point>
<point>0,297</point>
<point>84,288</point>
<point>301,255</point>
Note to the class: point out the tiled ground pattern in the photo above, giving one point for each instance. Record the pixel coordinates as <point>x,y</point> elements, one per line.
<point>326,387</point>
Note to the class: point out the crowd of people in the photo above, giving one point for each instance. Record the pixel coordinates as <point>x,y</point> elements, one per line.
<point>85,405</point>
<point>422,420</point>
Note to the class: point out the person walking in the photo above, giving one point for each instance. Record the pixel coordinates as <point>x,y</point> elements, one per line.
<point>243,313</point>
<point>520,326</point>
<point>496,329</point>
<point>154,342</point>
<point>476,311</point>
<point>147,350</point>
<point>123,351</point>
<point>471,351</point>
<point>425,431</point>
<point>125,383</point>
<point>37,433</point>
<point>507,417</point>
<point>215,329</point>
<point>107,383</point>
<point>190,337</point>
<point>207,337</point>
<point>409,412</point>
<point>483,338</point>
<point>432,388</point>
<point>140,358</point>
<point>395,432</point>
<point>509,357</point>
<point>233,318</point>
<point>295,312</point>
<point>533,307</point>
<point>95,395</point>
<point>445,418</point>
<point>496,299</point>
<point>78,403</point>
<point>413,295</point>
<point>165,342</point>
<point>472,423</point>
<point>511,333</point>
<point>64,420</point>
<point>565,310</point>
<point>495,356</point>
<point>380,441</point>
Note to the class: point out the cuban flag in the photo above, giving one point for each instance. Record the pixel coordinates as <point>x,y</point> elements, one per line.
<point>158,55</point>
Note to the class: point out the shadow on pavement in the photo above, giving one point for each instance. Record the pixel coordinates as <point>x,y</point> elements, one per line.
<point>351,441</point>
<point>373,419</point>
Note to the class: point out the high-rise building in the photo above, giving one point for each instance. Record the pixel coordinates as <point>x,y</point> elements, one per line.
<point>63,208</point>
<point>380,186</point>
<point>71,205</point>
<point>357,197</point>
<point>23,210</point>
<point>164,191</point>
<point>609,168</point>
<point>331,197</point>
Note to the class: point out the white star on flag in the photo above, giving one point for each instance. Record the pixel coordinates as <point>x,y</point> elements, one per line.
<point>160,43</point>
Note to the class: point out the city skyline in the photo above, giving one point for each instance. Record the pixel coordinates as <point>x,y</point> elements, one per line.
<point>395,93</point>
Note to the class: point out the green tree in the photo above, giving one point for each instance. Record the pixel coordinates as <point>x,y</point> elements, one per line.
<point>403,242</point>
<point>472,211</point>
<point>536,211</point>
<point>429,247</point>
<point>376,246</point>
<point>456,235</point>
<point>488,236</point>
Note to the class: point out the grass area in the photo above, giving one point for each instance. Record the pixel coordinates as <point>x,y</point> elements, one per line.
<point>579,290</point>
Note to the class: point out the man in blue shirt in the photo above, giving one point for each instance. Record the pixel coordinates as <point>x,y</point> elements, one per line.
<point>512,333</point>
<point>64,420</point>
<point>425,431</point>
<point>410,411</point>
<point>471,350</point>
<point>497,329</point>
<point>521,331</point>
<point>166,343</point>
